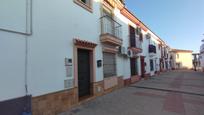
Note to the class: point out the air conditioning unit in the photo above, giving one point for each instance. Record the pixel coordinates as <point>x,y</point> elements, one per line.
<point>130,53</point>
<point>148,35</point>
<point>122,50</point>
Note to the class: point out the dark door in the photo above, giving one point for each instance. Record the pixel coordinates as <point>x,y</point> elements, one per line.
<point>83,72</point>
<point>160,65</point>
<point>133,66</point>
<point>142,66</point>
<point>132,36</point>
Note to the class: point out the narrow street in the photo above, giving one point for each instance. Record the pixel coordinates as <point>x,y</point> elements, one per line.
<point>171,93</point>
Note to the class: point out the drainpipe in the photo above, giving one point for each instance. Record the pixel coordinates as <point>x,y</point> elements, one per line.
<point>26,110</point>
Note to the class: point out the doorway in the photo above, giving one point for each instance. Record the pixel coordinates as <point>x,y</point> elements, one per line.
<point>84,73</point>
<point>142,59</point>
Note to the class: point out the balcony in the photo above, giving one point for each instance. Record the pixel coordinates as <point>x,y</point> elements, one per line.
<point>164,53</point>
<point>152,50</point>
<point>135,44</point>
<point>110,31</point>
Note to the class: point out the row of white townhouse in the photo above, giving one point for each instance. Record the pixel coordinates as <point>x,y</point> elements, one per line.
<point>55,54</point>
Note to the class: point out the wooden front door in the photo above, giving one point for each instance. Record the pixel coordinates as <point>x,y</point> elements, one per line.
<point>83,72</point>
<point>142,66</point>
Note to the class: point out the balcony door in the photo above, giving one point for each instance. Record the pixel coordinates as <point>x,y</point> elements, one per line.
<point>132,36</point>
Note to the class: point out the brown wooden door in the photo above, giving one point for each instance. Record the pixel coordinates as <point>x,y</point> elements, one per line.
<point>83,72</point>
<point>142,66</point>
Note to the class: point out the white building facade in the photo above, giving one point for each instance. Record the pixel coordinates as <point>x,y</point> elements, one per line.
<point>54,57</point>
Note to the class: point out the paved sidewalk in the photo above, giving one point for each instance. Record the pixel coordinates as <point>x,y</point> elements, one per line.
<point>181,81</point>
<point>166,94</point>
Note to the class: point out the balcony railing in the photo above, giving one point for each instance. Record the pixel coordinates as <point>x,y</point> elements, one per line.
<point>152,49</point>
<point>111,27</point>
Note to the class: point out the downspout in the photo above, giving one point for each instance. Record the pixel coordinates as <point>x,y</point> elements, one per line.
<point>28,33</point>
<point>27,105</point>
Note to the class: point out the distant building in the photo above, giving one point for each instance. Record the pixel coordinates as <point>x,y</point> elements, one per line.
<point>182,59</point>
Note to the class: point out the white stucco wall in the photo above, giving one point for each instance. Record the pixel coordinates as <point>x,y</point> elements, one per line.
<point>14,15</point>
<point>12,65</point>
<point>153,40</point>
<point>54,28</point>
<point>123,65</point>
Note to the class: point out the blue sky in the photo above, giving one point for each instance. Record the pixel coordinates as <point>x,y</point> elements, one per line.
<point>180,23</point>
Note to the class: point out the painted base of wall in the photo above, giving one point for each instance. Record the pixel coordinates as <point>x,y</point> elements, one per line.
<point>131,80</point>
<point>135,79</point>
<point>163,70</point>
<point>120,82</point>
<point>98,88</point>
<point>127,82</point>
<point>54,103</point>
<point>110,82</point>
<point>16,106</point>
<point>146,76</point>
<point>157,73</point>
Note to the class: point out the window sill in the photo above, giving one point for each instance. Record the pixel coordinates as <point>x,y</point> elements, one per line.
<point>83,5</point>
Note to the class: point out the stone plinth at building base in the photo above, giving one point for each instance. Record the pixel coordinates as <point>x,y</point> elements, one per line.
<point>54,103</point>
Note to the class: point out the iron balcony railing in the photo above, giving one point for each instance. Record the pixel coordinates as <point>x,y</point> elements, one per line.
<point>152,49</point>
<point>110,26</point>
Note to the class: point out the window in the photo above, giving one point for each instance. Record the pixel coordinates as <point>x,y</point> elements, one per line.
<point>132,36</point>
<point>86,4</point>
<point>177,56</point>
<point>109,65</point>
<point>151,65</point>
